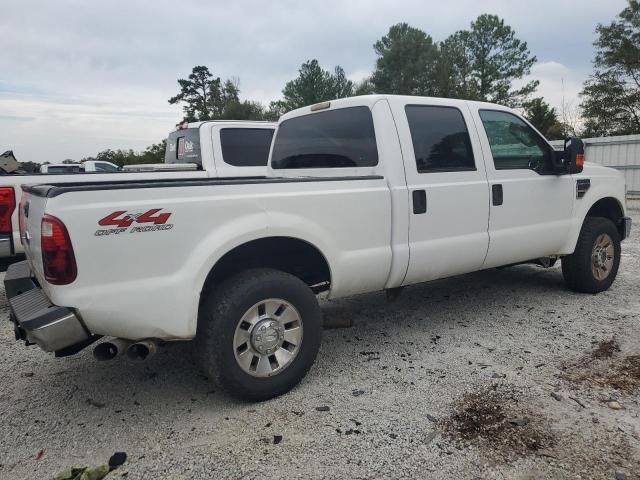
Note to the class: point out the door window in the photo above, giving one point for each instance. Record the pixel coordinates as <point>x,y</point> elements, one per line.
<point>514,144</point>
<point>440,139</point>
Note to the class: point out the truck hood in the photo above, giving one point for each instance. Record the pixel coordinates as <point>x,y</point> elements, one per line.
<point>594,170</point>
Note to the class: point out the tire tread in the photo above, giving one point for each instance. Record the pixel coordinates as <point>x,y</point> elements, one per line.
<point>576,268</point>
<point>216,322</point>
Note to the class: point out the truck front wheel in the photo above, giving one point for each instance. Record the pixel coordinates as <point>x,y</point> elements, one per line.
<point>593,266</point>
<point>258,333</point>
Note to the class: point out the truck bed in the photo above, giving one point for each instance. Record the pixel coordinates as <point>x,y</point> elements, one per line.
<point>197,225</point>
<point>51,190</point>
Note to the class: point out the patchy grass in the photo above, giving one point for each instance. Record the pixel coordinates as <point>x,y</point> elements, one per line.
<point>621,373</point>
<point>605,368</point>
<point>606,349</point>
<point>494,418</point>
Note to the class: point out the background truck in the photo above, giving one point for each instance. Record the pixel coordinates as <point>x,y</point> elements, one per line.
<point>364,194</point>
<point>213,148</point>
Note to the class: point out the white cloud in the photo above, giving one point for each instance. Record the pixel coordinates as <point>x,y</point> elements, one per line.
<point>558,84</point>
<point>81,76</point>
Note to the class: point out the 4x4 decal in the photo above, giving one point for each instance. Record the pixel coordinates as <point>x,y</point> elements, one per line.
<point>122,220</point>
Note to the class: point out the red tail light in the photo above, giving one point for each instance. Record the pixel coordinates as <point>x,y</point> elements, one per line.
<point>21,207</point>
<point>7,206</point>
<point>58,259</point>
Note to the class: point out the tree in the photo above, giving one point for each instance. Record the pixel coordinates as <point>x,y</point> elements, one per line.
<point>544,118</point>
<point>611,96</point>
<point>482,63</point>
<point>208,98</point>
<point>152,154</point>
<point>313,85</point>
<point>406,64</point>
<point>119,157</point>
<point>29,167</point>
<point>200,93</point>
<point>455,67</point>
<point>364,87</point>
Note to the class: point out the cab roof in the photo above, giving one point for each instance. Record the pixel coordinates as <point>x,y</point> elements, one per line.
<point>371,100</point>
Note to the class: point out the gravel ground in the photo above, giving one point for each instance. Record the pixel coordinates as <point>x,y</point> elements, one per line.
<point>498,374</point>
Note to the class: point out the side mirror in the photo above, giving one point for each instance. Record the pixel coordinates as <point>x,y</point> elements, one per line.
<point>573,154</point>
<point>571,159</point>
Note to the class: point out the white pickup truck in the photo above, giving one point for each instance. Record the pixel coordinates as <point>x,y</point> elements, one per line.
<point>364,194</point>
<point>215,148</point>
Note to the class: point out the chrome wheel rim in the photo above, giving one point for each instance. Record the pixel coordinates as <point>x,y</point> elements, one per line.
<point>268,337</point>
<point>602,257</point>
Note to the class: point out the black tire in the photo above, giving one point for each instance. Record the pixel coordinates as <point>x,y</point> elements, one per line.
<point>577,268</point>
<point>220,312</point>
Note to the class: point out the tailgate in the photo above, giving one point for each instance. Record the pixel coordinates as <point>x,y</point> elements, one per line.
<point>32,208</point>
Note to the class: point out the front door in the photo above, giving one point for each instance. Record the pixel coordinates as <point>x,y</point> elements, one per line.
<point>531,208</point>
<point>448,192</point>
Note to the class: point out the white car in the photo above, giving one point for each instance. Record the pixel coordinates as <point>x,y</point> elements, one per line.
<point>197,150</point>
<point>364,194</point>
<point>88,166</point>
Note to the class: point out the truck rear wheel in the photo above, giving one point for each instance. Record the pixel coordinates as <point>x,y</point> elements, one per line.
<point>593,266</point>
<point>259,333</point>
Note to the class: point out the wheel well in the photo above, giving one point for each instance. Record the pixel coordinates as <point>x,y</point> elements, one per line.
<point>608,208</point>
<point>291,255</point>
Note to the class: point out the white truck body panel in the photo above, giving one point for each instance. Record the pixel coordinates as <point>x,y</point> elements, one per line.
<point>357,247</point>
<point>139,285</point>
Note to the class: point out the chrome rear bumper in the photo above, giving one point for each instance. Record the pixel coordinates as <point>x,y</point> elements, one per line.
<point>6,249</point>
<point>35,318</point>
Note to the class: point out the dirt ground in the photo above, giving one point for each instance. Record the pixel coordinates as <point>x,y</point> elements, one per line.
<point>499,374</point>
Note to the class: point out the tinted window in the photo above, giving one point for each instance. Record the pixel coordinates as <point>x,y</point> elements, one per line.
<point>246,147</point>
<point>332,139</point>
<point>440,138</point>
<point>105,167</point>
<point>63,169</point>
<point>514,145</point>
<point>183,146</point>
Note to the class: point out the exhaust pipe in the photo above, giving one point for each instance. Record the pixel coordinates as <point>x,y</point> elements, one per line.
<point>142,350</point>
<point>110,349</point>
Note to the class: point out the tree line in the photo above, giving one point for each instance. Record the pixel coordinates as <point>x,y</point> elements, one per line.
<point>483,62</point>
<point>480,63</point>
<point>121,157</point>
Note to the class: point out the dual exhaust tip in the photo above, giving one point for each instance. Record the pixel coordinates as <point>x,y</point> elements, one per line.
<point>116,346</point>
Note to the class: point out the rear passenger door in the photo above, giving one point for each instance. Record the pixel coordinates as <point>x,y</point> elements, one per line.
<point>448,191</point>
<point>531,207</point>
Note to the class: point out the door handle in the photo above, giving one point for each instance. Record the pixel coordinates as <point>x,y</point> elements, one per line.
<point>419,201</point>
<point>496,194</point>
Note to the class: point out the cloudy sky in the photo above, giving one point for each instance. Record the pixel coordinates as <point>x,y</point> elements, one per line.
<point>80,76</point>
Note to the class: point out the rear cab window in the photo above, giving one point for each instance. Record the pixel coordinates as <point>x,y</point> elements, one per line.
<point>105,167</point>
<point>340,138</point>
<point>246,147</point>
<point>64,169</point>
<point>183,146</point>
